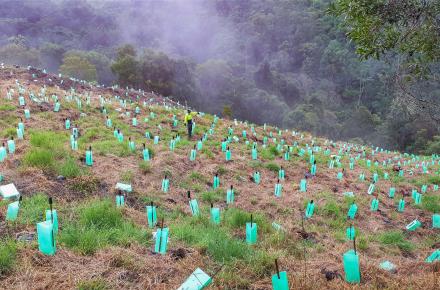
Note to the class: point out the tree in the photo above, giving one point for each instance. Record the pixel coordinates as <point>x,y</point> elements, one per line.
<point>227,112</point>
<point>52,56</point>
<point>78,67</point>
<point>126,67</point>
<point>408,27</point>
<point>19,55</point>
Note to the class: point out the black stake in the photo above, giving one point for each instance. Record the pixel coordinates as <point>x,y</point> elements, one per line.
<point>276,267</point>
<point>354,245</point>
<point>51,218</point>
<point>152,215</point>
<point>251,221</point>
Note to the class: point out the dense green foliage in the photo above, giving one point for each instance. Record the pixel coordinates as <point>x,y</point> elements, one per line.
<point>283,62</point>
<point>99,224</point>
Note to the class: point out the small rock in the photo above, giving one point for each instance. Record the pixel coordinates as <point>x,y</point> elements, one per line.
<point>26,237</point>
<point>178,254</point>
<point>60,177</point>
<point>388,266</point>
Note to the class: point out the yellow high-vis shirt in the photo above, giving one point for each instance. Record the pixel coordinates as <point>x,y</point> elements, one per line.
<point>189,117</point>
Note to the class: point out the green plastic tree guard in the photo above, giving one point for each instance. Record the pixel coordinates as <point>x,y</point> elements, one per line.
<point>309,209</point>
<point>56,107</point>
<point>215,215</point>
<point>146,154</point>
<point>12,212</point>
<point>392,192</point>
<point>194,207</point>
<point>123,187</point>
<point>46,238</point>
<point>165,184</point>
<point>254,154</point>
<point>278,189</point>
<point>313,169</point>
<point>401,205</point>
<point>257,177</point>
<point>193,155</point>
<point>156,140</point>
<point>198,280</point>
<point>131,146</point>
<point>436,221</point>
<point>371,188</point>
<point>120,200</point>
<point>281,173</point>
<point>55,219</point>
<point>374,204</point>
<point>279,281</point>
<point>352,211</point>
<point>134,122</point>
<point>414,225</point>
<point>230,196</point>
<point>120,137</point>
<point>435,256</point>
<point>351,267</point>
<point>417,198</point>
<point>350,233</point>
<point>161,240</point>
<point>21,101</point>
<point>27,114</point>
<point>151,215</point>
<point>11,146</point>
<point>89,158</point>
<point>67,124</point>
<point>216,182</point>
<point>340,176</point>
<point>228,155</point>
<point>19,134</point>
<point>251,233</point>
<point>303,185</point>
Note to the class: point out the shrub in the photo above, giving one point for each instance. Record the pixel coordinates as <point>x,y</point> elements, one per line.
<point>95,284</point>
<point>396,238</point>
<point>69,168</point>
<point>8,250</point>
<point>33,208</point>
<point>145,167</point>
<point>212,196</point>
<point>273,167</point>
<point>99,224</point>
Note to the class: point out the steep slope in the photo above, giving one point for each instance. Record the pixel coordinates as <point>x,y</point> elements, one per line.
<point>99,245</point>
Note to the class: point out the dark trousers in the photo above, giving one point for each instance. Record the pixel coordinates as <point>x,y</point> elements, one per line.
<point>190,127</point>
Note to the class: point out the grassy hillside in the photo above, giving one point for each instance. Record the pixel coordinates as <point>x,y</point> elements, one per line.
<point>101,246</point>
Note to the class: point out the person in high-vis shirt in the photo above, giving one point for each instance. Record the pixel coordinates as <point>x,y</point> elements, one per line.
<point>188,121</point>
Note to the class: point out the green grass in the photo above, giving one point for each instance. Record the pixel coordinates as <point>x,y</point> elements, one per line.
<point>237,218</point>
<point>213,196</point>
<point>97,225</point>
<point>273,167</point>
<point>127,176</point>
<point>47,152</point>
<point>33,209</point>
<point>217,243</point>
<point>145,167</point>
<point>431,203</point>
<point>95,284</point>
<point>8,251</point>
<point>69,168</point>
<point>7,107</point>
<point>7,133</point>
<point>86,185</point>
<point>395,238</point>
